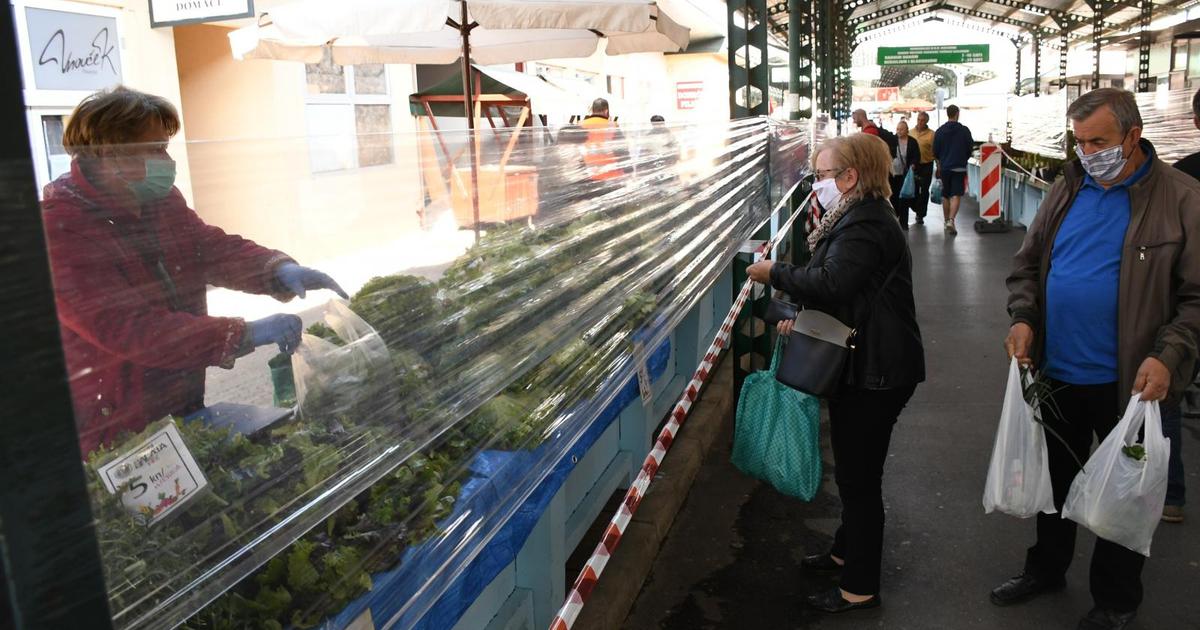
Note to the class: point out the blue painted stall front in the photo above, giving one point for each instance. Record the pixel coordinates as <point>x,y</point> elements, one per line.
<point>518,580</point>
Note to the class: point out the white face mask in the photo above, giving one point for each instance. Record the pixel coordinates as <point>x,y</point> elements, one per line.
<point>827,193</point>
<point>1106,165</point>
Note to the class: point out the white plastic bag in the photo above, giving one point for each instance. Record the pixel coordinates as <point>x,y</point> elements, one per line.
<point>331,378</point>
<point>1118,497</point>
<point>1018,480</point>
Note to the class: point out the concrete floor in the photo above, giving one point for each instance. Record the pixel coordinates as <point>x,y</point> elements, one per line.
<point>732,559</point>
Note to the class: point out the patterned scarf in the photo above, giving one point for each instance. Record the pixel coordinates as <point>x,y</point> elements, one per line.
<point>828,220</point>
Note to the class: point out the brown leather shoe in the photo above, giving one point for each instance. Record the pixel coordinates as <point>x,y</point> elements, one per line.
<point>1172,514</point>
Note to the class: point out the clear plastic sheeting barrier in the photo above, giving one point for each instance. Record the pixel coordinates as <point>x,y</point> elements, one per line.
<point>496,311</point>
<point>1169,123</point>
<point>1039,124</point>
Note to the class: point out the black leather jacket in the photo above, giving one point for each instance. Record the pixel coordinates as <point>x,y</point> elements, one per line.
<point>842,279</point>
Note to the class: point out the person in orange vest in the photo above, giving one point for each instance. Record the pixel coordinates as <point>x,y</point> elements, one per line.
<point>604,151</point>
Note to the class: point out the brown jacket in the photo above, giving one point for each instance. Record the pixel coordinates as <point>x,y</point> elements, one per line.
<point>1158,312</point>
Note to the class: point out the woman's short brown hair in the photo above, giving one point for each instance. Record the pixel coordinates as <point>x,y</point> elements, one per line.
<point>866,154</point>
<point>116,116</point>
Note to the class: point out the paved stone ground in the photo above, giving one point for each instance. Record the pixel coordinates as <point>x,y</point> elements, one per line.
<point>732,559</point>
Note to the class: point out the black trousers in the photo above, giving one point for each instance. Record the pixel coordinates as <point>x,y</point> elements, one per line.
<point>1116,572</point>
<point>860,422</point>
<point>901,206</point>
<point>924,181</point>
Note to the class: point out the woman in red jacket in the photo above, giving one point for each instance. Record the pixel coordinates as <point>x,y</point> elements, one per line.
<point>131,263</point>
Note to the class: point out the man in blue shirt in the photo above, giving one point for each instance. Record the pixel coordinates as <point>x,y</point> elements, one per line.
<point>1105,302</point>
<point>952,147</point>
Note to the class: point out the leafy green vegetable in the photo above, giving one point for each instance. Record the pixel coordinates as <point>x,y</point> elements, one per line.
<point>485,300</point>
<point>1136,451</point>
<point>322,330</point>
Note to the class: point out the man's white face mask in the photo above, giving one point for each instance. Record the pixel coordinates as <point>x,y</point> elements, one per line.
<point>1105,165</point>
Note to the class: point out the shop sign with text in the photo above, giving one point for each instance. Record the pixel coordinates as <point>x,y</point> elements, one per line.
<point>929,55</point>
<point>176,12</point>
<point>687,93</point>
<point>73,51</point>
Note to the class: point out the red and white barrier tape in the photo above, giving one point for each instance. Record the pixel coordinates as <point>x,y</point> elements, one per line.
<point>1018,165</point>
<point>586,582</point>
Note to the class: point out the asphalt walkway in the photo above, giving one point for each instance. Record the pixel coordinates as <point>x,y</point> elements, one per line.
<point>732,558</point>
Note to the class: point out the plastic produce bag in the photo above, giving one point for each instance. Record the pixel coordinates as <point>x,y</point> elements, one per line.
<point>1018,480</point>
<point>348,364</point>
<point>908,190</point>
<point>935,191</point>
<point>1120,493</point>
<point>777,438</point>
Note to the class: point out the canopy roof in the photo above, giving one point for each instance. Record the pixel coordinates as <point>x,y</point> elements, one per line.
<point>1012,19</point>
<point>427,31</point>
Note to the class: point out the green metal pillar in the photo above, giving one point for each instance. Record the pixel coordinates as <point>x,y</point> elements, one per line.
<point>824,52</point>
<point>1097,30</point>
<point>749,95</point>
<point>1037,65</point>
<point>1145,13</point>
<point>749,74</point>
<point>800,59</point>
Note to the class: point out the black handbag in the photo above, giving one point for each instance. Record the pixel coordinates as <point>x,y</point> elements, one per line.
<point>779,310</point>
<point>819,347</point>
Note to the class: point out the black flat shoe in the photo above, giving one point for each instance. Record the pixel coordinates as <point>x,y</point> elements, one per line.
<point>831,601</point>
<point>1104,619</point>
<point>820,563</point>
<point>1023,588</point>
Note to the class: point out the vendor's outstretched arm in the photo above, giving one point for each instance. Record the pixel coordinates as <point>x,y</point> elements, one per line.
<point>95,301</point>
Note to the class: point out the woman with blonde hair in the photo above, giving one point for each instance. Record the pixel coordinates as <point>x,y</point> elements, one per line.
<point>861,273</point>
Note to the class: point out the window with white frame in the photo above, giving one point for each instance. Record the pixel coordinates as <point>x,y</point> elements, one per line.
<point>349,117</point>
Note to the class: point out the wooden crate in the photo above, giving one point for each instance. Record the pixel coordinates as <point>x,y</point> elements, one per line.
<point>504,195</point>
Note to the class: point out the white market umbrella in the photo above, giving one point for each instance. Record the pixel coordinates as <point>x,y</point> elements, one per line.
<point>486,32</point>
<point>431,32</point>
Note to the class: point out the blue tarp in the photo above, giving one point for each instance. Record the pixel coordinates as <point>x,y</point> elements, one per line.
<point>495,474</point>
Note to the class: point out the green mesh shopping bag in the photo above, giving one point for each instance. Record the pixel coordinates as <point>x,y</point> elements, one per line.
<point>777,438</point>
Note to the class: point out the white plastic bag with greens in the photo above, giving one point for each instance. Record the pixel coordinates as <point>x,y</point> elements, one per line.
<point>1018,480</point>
<point>345,364</point>
<point>1120,493</point>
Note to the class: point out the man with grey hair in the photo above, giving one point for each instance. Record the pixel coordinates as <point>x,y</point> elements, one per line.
<point>1104,298</point>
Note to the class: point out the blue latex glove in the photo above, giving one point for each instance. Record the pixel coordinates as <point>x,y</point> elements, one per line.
<point>299,280</point>
<point>282,329</point>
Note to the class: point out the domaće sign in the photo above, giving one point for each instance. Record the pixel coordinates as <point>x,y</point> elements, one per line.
<point>177,12</point>
<point>73,51</point>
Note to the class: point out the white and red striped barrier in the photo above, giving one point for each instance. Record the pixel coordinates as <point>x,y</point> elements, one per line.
<point>989,183</point>
<point>586,582</point>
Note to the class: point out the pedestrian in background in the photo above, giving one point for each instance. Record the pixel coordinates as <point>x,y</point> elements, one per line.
<point>1105,301</point>
<point>864,124</point>
<point>861,273</point>
<point>605,153</point>
<point>906,157</point>
<point>1173,425</point>
<point>952,147</point>
<point>924,136</point>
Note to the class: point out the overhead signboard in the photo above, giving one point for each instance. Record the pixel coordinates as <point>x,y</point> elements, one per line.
<point>929,55</point>
<point>73,51</point>
<point>876,95</point>
<point>687,93</point>
<point>177,12</point>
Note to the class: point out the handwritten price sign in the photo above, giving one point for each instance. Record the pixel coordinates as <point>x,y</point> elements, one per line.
<point>156,476</point>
